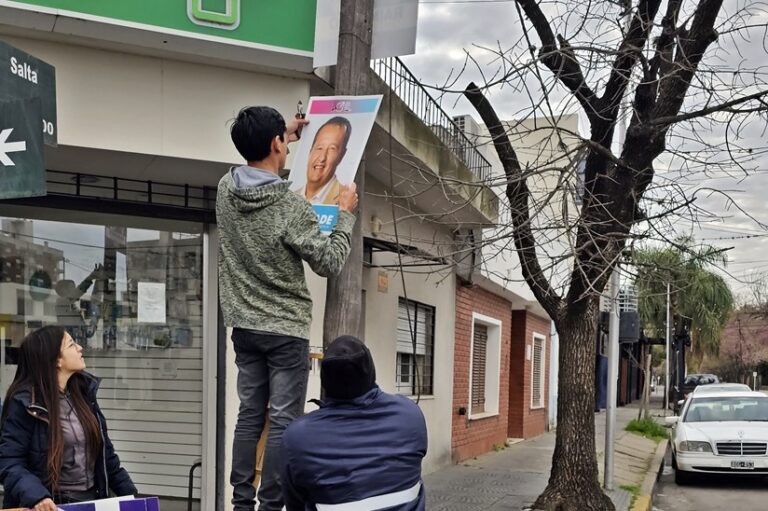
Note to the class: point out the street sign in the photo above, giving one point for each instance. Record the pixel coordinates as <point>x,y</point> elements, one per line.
<point>22,171</point>
<point>394,30</point>
<point>23,76</point>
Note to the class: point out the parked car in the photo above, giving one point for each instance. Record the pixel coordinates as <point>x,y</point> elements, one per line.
<point>721,387</point>
<point>720,432</point>
<point>691,382</point>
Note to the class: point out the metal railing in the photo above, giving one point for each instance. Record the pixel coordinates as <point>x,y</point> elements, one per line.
<point>402,82</point>
<point>130,190</point>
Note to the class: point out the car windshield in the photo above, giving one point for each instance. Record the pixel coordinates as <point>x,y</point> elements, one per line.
<point>727,409</point>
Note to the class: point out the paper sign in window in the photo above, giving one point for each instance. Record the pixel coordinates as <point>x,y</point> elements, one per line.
<point>151,301</point>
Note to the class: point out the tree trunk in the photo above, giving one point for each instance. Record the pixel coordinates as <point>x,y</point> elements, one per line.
<point>573,481</point>
<point>645,409</point>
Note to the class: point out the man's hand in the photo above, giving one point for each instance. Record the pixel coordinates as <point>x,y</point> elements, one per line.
<point>348,198</point>
<point>46,505</point>
<point>98,272</point>
<point>293,128</point>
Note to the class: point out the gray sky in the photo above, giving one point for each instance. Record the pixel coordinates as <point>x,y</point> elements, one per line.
<point>447,29</point>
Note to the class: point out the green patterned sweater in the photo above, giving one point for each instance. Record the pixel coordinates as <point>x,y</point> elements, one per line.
<point>264,234</point>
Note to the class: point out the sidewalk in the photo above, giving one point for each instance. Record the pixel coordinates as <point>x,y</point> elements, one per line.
<point>513,478</point>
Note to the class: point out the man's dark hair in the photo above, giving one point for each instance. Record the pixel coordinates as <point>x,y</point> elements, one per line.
<point>337,121</point>
<point>253,130</point>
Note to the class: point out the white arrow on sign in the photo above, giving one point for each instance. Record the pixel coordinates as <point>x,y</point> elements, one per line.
<point>9,147</point>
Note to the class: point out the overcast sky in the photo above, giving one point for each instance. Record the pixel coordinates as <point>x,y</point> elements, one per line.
<point>448,29</point>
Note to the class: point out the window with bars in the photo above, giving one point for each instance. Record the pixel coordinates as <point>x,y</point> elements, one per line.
<point>415,370</point>
<point>537,371</point>
<point>479,363</point>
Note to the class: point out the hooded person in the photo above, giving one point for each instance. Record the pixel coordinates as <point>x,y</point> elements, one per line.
<point>362,449</point>
<point>266,233</point>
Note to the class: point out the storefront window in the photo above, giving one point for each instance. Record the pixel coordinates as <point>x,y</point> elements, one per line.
<point>129,290</point>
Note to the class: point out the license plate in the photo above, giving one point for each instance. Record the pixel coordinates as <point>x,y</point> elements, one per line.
<point>742,465</point>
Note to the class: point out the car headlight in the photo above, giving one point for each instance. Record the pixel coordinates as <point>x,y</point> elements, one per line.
<point>692,446</point>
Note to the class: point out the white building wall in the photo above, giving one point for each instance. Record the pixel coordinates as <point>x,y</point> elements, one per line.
<point>552,204</point>
<point>430,285</point>
<point>552,201</point>
<point>148,105</point>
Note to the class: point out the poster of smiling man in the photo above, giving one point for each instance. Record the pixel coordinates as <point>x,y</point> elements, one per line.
<point>330,150</point>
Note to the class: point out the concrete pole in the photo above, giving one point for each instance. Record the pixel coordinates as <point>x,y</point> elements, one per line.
<point>613,377</point>
<point>667,386</point>
<point>613,323</point>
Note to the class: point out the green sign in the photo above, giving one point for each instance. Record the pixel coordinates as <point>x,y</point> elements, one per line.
<point>23,76</point>
<point>284,24</point>
<point>22,171</point>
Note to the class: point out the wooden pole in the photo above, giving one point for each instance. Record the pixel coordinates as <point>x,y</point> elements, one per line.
<point>343,299</point>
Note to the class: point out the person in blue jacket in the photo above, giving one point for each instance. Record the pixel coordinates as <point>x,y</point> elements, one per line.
<point>54,447</point>
<point>362,450</point>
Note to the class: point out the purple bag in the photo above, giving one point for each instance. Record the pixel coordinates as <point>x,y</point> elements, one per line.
<point>116,504</point>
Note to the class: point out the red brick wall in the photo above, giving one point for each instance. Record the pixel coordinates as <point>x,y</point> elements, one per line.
<point>470,438</point>
<point>525,422</point>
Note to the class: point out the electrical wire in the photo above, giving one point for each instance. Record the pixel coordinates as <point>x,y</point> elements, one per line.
<point>411,326</point>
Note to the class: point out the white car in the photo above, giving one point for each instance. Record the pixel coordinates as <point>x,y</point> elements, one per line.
<point>721,387</point>
<point>720,432</point>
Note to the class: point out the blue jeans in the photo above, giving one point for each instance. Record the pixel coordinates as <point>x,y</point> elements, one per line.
<point>272,373</point>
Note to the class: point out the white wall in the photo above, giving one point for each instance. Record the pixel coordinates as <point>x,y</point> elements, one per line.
<point>132,103</point>
<point>538,148</point>
<point>437,290</point>
<point>432,285</point>
<point>435,286</point>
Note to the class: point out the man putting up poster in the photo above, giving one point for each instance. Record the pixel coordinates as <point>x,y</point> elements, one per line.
<point>331,148</point>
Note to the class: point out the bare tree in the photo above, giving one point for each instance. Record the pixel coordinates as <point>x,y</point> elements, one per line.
<point>656,58</point>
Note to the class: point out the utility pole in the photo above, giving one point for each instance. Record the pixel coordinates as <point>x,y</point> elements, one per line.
<point>344,292</point>
<point>615,317</point>
<point>667,386</point>
<point>613,377</point>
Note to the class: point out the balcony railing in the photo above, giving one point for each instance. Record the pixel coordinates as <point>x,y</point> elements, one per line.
<point>415,96</point>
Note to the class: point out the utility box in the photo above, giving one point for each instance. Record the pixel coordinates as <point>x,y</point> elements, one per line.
<point>629,327</point>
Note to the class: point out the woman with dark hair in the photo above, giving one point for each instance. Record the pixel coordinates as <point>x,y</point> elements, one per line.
<point>54,446</point>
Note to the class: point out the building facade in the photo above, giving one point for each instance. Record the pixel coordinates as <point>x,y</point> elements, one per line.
<point>502,333</point>
<point>123,248</point>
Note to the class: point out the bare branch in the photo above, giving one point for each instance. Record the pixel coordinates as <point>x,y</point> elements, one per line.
<point>562,62</point>
<point>628,54</point>
<point>664,122</point>
<point>518,195</point>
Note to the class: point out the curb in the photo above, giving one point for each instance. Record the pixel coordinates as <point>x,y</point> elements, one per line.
<point>644,502</point>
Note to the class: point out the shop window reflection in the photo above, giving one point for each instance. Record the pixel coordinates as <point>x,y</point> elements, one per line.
<point>132,297</point>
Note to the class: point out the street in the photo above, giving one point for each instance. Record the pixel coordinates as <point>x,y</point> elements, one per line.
<point>710,492</point>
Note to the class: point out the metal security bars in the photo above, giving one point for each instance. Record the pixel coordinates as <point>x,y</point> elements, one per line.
<point>415,368</point>
<point>415,96</point>
<point>92,192</point>
<point>479,365</point>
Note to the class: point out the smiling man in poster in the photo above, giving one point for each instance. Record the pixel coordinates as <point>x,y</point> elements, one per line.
<point>328,150</point>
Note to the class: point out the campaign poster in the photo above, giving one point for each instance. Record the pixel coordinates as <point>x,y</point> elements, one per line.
<point>330,150</point>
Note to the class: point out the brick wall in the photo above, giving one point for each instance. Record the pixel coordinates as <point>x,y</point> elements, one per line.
<point>473,437</point>
<point>524,421</point>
